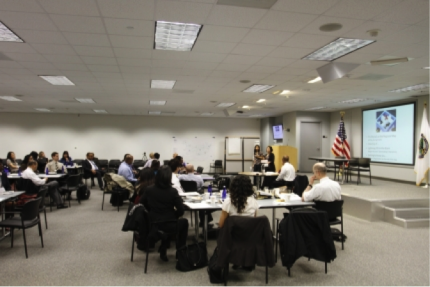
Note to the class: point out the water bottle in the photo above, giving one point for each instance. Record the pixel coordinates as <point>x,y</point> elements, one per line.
<point>6,170</point>
<point>224,193</point>
<point>62,169</point>
<point>19,172</point>
<point>46,171</point>
<point>210,189</point>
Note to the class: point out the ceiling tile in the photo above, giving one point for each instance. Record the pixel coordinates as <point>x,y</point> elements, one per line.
<point>79,24</point>
<point>222,33</point>
<point>69,59</point>
<point>407,12</point>
<point>213,47</point>
<point>54,49</point>
<point>285,21</point>
<point>252,50</point>
<point>120,41</point>
<point>168,63</point>
<point>235,16</point>
<point>360,9</point>
<point>41,37</point>
<point>99,60</point>
<point>262,69</point>
<point>170,55</point>
<point>206,57</point>
<point>266,37</point>
<point>233,67</point>
<point>347,25</point>
<point>21,57</point>
<point>386,29</point>
<point>301,40</point>
<point>135,69</point>
<point>304,6</point>
<point>71,67</point>
<point>81,39</point>
<point>290,52</point>
<point>67,7</point>
<point>29,21</point>
<point>184,12</point>
<point>275,62</point>
<point>241,59</point>
<point>134,62</point>
<point>20,6</point>
<point>93,51</point>
<point>200,65</point>
<point>129,27</point>
<point>132,53</point>
<point>129,9</point>
<point>412,34</point>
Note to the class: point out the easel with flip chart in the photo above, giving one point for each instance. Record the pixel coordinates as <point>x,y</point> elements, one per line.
<point>238,153</point>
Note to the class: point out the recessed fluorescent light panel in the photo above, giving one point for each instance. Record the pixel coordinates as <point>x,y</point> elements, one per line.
<point>317,79</point>
<point>316,108</point>
<point>43,110</point>
<point>85,101</point>
<point>161,84</point>
<point>100,111</point>
<point>353,101</point>
<point>10,99</point>
<point>284,92</point>
<point>175,36</point>
<point>58,80</point>
<point>245,107</point>
<point>206,114</point>
<point>258,88</point>
<point>255,116</point>
<point>338,48</point>
<point>7,35</point>
<point>261,100</point>
<point>411,88</point>
<point>157,103</point>
<point>154,113</point>
<point>225,105</point>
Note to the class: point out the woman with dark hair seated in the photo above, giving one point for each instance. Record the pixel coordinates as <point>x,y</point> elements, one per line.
<point>240,203</point>
<point>155,165</point>
<point>66,159</point>
<point>165,207</point>
<point>146,179</point>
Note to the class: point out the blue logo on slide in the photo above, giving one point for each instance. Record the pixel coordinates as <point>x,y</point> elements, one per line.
<point>423,147</point>
<point>386,121</point>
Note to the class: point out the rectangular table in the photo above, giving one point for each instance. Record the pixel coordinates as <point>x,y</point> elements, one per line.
<point>207,177</point>
<point>3,199</point>
<point>333,159</point>
<point>262,203</point>
<point>259,175</point>
<point>41,175</point>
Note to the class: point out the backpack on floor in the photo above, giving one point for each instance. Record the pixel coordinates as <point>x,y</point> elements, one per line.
<point>215,272</point>
<point>83,193</point>
<point>118,196</point>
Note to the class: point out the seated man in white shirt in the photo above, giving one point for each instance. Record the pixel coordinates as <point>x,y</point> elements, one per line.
<point>52,186</point>
<point>126,169</point>
<point>174,166</point>
<point>55,165</point>
<point>287,175</point>
<point>190,176</point>
<point>327,190</point>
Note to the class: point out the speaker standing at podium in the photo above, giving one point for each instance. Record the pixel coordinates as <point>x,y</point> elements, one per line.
<point>258,156</point>
<point>270,166</point>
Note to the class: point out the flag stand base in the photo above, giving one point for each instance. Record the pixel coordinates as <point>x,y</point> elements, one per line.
<point>426,186</point>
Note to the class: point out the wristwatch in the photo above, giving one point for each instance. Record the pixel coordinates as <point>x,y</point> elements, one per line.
<point>310,185</point>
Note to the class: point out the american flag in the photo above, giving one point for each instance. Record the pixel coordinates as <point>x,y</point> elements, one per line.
<point>341,146</point>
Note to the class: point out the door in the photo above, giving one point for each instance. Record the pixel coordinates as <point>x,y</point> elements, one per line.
<point>310,144</point>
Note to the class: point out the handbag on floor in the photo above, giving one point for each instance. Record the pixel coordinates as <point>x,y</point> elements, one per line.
<point>215,272</point>
<point>192,257</point>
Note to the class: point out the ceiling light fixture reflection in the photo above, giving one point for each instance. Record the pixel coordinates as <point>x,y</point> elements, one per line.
<point>58,80</point>
<point>338,48</point>
<point>317,79</point>
<point>284,92</point>
<point>258,88</point>
<point>225,105</point>
<point>10,99</point>
<point>157,103</point>
<point>161,84</point>
<point>175,36</point>
<point>411,88</point>
<point>6,35</point>
<point>85,101</point>
<point>100,111</point>
<point>261,100</point>
<point>43,110</point>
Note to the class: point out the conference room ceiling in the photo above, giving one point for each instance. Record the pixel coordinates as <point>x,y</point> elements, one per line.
<point>106,48</point>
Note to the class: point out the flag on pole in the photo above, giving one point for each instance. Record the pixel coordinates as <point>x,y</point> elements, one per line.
<point>341,146</point>
<point>422,159</point>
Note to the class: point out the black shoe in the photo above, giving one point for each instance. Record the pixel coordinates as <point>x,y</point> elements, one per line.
<point>163,254</point>
<point>62,206</point>
<point>235,267</point>
<point>248,268</point>
<point>210,225</point>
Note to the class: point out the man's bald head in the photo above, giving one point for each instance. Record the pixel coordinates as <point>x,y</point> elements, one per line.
<point>321,168</point>
<point>285,158</point>
<point>190,168</point>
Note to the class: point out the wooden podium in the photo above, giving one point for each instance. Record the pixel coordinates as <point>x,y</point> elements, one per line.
<point>280,150</point>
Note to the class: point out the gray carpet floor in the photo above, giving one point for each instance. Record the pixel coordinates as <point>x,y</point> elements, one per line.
<point>85,246</point>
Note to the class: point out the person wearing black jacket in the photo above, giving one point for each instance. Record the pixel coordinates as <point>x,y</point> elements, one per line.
<point>92,170</point>
<point>165,207</point>
<point>270,157</point>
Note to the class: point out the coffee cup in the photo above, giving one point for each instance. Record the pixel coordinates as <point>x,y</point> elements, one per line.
<point>213,199</point>
<point>206,196</point>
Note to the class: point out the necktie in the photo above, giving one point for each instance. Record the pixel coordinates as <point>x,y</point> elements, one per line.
<point>56,166</point>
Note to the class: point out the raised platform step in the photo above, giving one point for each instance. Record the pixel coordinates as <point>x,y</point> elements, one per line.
<point>408,217</point>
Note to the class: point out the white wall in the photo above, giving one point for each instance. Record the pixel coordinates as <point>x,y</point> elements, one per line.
<point>353,128</point>
<point>290,123</point>
<point>110,137</point>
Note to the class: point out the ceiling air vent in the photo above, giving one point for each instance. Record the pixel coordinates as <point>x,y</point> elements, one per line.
<point>373,77</point>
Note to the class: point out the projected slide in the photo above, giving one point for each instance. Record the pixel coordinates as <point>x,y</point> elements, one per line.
<point>388,134</point>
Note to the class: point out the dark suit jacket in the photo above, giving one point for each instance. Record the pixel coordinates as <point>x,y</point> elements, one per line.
<point>5,181</point>
<point>161,204</point>
<point>246,241</point>
<point>86,165</point>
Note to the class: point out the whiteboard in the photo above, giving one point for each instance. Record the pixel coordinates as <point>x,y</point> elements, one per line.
<point>196,148</point>
<point>234,146</point>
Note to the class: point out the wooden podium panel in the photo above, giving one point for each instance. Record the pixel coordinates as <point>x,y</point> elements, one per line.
<point>280,150</point>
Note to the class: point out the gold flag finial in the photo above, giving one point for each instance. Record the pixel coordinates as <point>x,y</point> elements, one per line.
<point>425,104</point>
<point>342,114</point>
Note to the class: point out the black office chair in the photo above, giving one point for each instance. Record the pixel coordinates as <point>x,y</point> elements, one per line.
<point>189,185</point>
<point>18,161</point>
<point>29,217</point>
<point>199,170</point>
<point>72,184</point>
<point>30,188</point>
<point>352,166</point>
<point>334,211</point>
<point>103,164</point>
<point>138,163</point>
<point>166,162</point>
<point>216,167</point>
<point>114,165</point>
<point>78,161</point>
<point>364,166</point>
<point>41,165</point>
